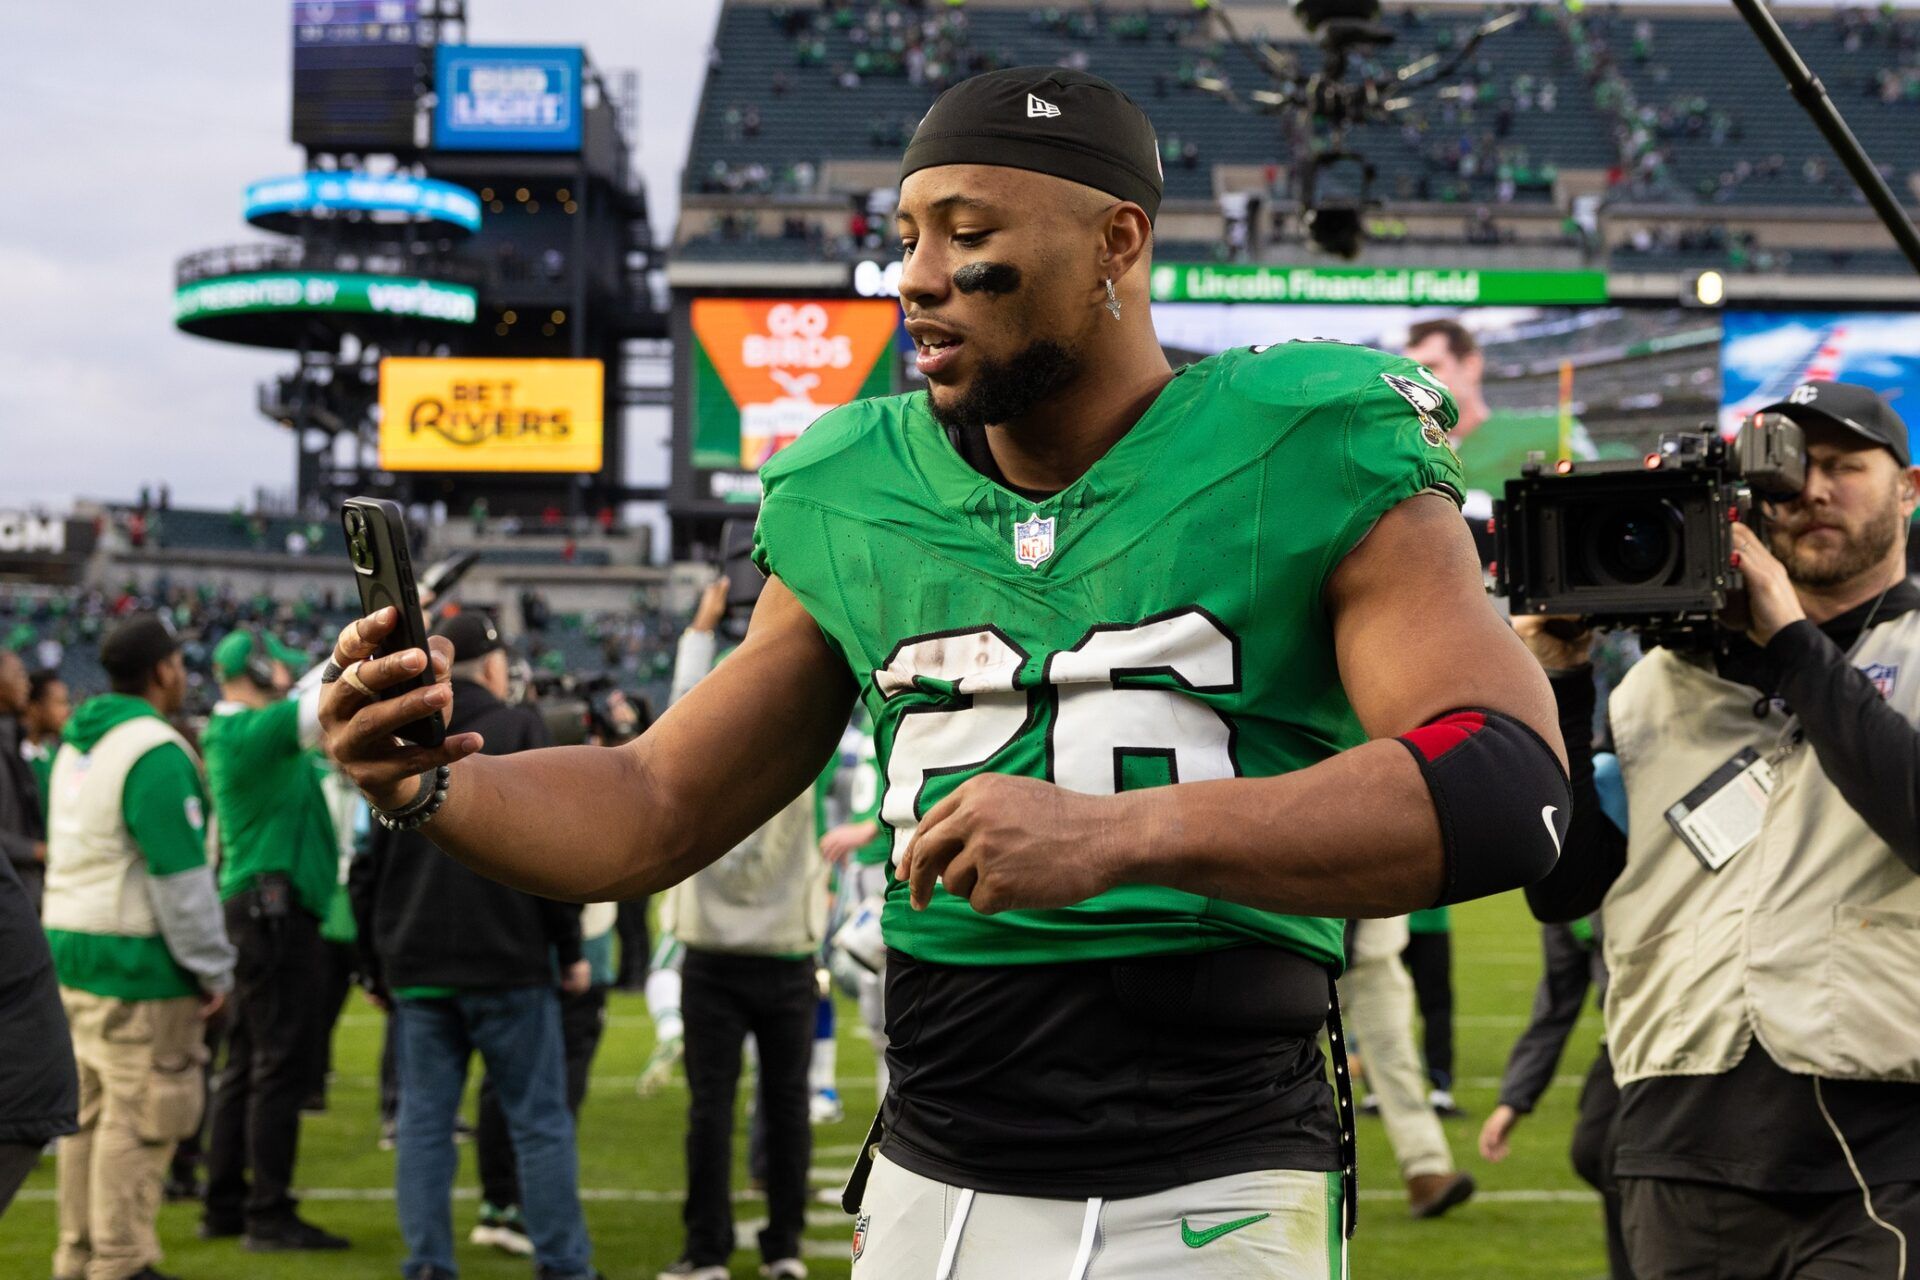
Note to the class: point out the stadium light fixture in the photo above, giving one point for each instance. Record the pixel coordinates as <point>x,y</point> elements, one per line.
<point>1709,289</point>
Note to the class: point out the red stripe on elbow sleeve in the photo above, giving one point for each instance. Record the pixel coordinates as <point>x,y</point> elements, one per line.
<point>1436,738</point>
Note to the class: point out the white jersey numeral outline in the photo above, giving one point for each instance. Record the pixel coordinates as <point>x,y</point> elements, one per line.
<point>1102,713</point>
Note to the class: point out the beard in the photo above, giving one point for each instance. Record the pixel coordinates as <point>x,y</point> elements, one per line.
<point>1006,390</point>
<point>1862,549</point>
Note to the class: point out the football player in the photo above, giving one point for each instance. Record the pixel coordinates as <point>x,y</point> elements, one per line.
<point>1170,671</point>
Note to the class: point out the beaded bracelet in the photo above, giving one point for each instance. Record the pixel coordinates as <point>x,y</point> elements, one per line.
<point>417,811</point>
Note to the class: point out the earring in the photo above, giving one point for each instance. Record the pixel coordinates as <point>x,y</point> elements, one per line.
<point>1113,300</point>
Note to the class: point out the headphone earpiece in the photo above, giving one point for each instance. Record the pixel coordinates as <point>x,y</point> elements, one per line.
<point>259,661</point>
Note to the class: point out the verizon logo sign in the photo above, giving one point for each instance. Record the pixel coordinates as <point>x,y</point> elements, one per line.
<point>24,534</point>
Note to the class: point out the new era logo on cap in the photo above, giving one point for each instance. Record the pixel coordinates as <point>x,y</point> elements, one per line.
<point>1040,108</point>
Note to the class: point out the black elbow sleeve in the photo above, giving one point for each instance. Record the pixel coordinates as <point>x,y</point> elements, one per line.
<point>1501,796</point>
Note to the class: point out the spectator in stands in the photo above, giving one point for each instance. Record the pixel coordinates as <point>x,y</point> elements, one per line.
<point>468,966</point>
<point>133,922</point>
<point>23,832</point>
<point>279,865</point>
<point>39,1091</point>
<point>48,707</point>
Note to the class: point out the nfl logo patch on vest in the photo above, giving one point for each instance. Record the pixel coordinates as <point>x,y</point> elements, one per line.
<point>1883,677</point>
<point>1033,540</point>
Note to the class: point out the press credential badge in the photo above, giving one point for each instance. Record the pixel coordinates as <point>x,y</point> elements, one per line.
<point>1722,815</point>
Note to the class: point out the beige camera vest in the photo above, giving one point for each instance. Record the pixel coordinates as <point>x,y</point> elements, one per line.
<point>1808,939</point>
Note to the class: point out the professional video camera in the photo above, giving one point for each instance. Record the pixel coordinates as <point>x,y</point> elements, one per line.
<point>1644,544</point>
<point>577,708</point>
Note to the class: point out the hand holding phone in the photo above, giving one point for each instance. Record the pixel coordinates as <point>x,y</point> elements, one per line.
<point>377,545</point>
<point>385,737</point>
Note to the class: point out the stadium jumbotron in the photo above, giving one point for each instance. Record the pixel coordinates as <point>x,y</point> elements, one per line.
<point>632,318</point>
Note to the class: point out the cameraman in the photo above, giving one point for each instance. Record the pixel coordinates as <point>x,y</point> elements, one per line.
<point>1764,939</point>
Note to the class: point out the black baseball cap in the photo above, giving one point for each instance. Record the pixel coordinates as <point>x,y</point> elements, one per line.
<point>138,644</point>
<point>1850,407</point>
<point>473,635</point>
<point>1048,120</point>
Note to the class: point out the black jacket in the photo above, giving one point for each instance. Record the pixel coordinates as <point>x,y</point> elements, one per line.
<point>20,824</point>
<point>1572,969</point>
<point>39,1092</point>
<point>432,922</point>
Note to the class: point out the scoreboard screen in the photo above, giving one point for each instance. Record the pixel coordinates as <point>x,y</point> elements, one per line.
<point>357,68</point>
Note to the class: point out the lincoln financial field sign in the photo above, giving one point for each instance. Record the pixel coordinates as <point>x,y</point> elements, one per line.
<point>1406,286</point>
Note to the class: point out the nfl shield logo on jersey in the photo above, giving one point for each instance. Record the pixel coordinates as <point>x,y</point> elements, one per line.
<point>860,1225</point>
<point>1883,676</point>
<point>1033,540</point>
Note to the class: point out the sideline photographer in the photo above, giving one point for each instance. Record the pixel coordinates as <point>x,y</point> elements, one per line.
<point>1762,911</point>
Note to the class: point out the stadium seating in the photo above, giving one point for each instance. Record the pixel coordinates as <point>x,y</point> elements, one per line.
<point>817,119</point>
<point>1687,58</point>
<point>236,531</point>
<point>1674,111</point>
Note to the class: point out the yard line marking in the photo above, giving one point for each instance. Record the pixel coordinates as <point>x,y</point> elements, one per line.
<point>626,1195</point>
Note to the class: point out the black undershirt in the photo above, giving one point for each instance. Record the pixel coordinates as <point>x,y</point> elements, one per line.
<point>1759,1125</point>
<point>971,444</point>
<point>1107,1078</point>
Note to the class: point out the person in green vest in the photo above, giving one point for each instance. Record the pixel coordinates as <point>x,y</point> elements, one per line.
<point>134,924</point>
<point>278,871</point>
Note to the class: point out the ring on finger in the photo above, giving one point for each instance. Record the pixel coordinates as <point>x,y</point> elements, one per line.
<point>350,676</point>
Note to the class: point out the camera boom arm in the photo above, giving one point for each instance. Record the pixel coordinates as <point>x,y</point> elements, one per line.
<point>1812,95</point>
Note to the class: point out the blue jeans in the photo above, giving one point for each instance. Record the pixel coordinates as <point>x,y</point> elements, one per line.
<point>517,1033</point>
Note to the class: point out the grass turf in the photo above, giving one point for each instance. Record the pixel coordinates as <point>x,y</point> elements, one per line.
<point>1535,1219</point>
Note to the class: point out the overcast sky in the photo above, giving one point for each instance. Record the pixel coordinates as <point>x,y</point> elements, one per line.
<point>130,131</point>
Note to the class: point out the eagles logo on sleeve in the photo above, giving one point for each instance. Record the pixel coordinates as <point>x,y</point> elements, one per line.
<point>1429,405</point>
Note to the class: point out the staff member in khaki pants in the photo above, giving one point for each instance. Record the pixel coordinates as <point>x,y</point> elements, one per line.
<point>134,924</point>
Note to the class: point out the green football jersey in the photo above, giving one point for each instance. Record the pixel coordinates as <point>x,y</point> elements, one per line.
<point>1160,620</point>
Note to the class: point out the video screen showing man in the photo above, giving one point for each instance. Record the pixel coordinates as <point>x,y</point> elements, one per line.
<point>1493,444</point>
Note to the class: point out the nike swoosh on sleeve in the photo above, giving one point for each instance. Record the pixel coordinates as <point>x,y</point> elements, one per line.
<point>1546,816</point>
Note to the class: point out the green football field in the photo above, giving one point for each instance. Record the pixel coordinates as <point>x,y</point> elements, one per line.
<point>1533,1218</point>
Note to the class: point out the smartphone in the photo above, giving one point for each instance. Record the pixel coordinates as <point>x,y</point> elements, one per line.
<point>744,579</point>
<point>377,545</point>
